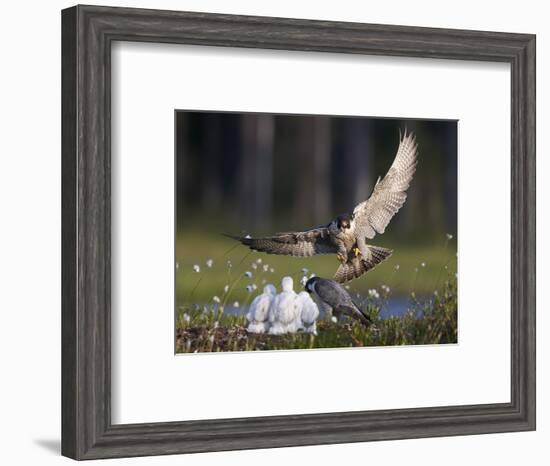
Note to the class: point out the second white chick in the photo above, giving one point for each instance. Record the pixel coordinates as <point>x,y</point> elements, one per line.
<point>259,310</point>
<point>309,313</point>
<point>283,309</point>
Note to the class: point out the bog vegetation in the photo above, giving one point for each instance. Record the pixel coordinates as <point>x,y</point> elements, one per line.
<point>211,309</point>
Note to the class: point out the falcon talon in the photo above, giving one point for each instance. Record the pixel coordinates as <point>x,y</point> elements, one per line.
<point>357,252</point>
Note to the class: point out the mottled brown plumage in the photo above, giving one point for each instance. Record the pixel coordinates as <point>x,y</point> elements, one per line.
<point>356,266</point>
<point>303,244</point>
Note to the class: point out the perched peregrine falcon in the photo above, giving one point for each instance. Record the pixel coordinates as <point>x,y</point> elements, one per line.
<point>347,235</point>
<point>334,296</point>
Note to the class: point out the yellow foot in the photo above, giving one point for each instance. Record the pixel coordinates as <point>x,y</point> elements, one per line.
<point>341,257</point>
<point>357,252</point>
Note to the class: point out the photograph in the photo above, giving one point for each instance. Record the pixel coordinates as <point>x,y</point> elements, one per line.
<point>314,231</point>
<point>265,233</point>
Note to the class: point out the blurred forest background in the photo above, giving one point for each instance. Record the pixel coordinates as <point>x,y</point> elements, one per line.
<point>246,173</point>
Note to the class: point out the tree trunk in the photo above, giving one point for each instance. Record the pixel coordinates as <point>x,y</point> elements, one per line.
<point>256,170</point>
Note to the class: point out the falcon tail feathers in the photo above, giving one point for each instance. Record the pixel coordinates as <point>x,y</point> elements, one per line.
<point>355,313</point>
<point>357,266</point>
<point>364,317</point>
<point>379,254</point>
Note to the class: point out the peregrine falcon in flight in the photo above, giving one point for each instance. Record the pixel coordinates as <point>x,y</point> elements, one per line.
<point>346,235</point>
<point>330,294</point>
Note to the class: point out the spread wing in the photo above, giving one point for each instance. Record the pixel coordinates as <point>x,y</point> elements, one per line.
<point>373,215</point>
<point>357,266</point>
<point>304,244</point>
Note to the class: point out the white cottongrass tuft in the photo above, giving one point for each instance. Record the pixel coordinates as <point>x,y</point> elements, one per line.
<point>186,317</point>
<point>385,289</point>
<point>396,267</point>
<point>229,264</point>
<point>272,270</point>
<point>259,260</point>
<point>266,267</point>
<point>334,319</point>
<point>226,288</point>
<point>254,266</point>
<point>216,299</point>
<point>236,304</point>
<point>423,264</point>
<point>177,265</point>
<point>449,236</point>
<point>373,293</point>
<point>197,268</point>
<point>248,237</point>
<point>209,263</point>
<point>248,274</point>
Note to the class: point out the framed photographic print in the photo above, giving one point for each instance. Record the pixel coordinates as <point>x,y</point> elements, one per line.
<point>260,213</point>
<point>279,172</point>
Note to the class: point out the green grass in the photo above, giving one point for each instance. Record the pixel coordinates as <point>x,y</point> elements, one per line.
<point>433,321</point>
<point>194,248</point>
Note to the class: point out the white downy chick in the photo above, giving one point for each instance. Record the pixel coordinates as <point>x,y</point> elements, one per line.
<point>309,313</point>
<point>283,309</point>
<point>259,310</point>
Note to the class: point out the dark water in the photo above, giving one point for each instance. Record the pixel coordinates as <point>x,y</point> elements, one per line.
<point>396,307</point>
<point>393,307</point>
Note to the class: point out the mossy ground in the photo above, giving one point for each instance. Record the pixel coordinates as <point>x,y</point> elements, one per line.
<point>433,321</point>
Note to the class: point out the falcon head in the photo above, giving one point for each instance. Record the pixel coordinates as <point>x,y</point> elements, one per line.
<point>343,222</point>
<point>310,284</point>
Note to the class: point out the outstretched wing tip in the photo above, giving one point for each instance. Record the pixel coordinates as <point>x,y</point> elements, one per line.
<point>373,215</point>
<point>242,239</point>
<point>301,243</point>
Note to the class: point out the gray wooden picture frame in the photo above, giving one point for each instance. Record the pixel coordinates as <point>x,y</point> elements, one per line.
<point>87,35</point>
